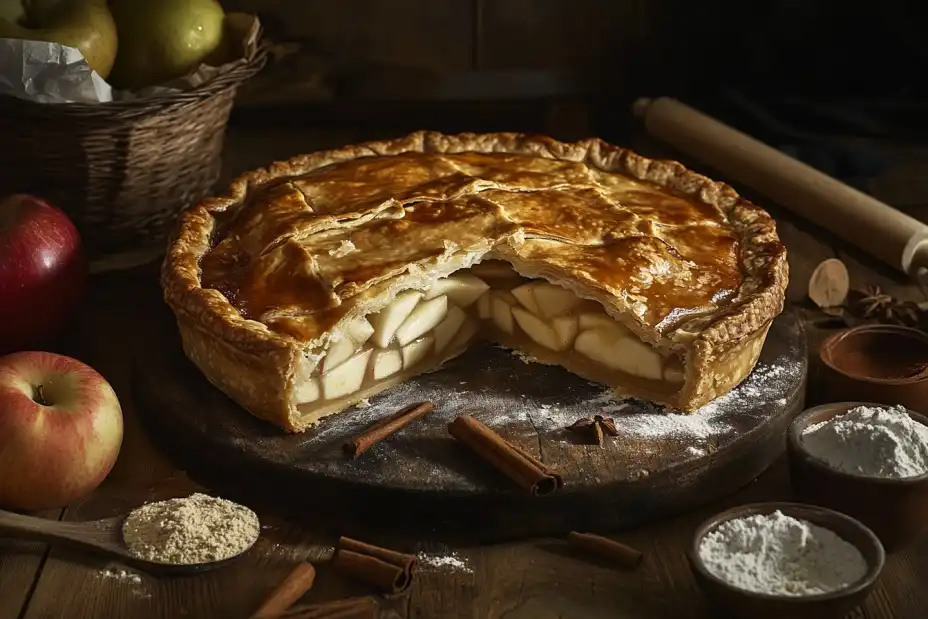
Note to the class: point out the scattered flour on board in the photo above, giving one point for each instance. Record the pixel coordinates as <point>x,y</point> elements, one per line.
<point>449,560</point>
<point>521,356</point>
<point>635,419</point>
<point>764,386</point>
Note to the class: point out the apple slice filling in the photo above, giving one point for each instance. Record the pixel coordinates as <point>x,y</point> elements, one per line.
<point>420,329</point>
<point>556,326</point>
<point>415,331</point>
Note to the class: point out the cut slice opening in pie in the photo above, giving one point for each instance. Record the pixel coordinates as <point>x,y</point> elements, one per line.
<point>324,280</point>
<point>420,329</point>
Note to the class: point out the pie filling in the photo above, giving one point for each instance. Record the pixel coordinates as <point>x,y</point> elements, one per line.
<point>420,329</point>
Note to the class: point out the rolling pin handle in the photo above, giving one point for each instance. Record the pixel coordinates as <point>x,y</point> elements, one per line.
<point>855,217</point>
<point>918,265</point>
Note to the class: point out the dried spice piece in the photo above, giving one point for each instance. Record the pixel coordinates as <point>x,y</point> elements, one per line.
<point>625,556</point>
<point>597,427</point>
<point>869,302</point>
<point>298,581</point>
<point>829,284</point>
<point>509,459</point>
<point>386,428</point>
<point>386,569</point>
<point>908,314</point>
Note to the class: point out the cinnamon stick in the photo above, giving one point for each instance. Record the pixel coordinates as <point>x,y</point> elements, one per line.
<point>625,556</point>
<point>598,433</point>
<point>352,608</point>
<point>386,427</point>
<point>507,458</point>
<point>385,569</point>
<point>298,581</point>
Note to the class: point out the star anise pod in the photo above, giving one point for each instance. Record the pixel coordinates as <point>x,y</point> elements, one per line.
<point>596,426</point>
<point>903,313</point>
<point>869,303</point>
<point>907,314</point>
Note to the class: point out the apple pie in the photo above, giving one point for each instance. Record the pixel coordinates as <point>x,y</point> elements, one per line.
<point>323,280</point>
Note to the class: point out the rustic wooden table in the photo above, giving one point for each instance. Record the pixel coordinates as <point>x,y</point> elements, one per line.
<point>512,580</point>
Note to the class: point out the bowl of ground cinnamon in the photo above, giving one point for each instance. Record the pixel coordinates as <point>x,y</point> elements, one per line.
<point>876,363</point>
<point>785,561</point>
<point>867,460</point>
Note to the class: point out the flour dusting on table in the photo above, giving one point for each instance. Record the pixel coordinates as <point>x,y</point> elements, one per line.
<point>126,577</point>
<point>121,575</point>
<point>444,562</point>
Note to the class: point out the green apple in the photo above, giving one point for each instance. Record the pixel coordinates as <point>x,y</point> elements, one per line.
<point>84,24</point>
<point>12,11</point>
<point>164,39</point>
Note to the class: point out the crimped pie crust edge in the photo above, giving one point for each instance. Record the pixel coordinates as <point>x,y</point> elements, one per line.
<point>219,339</point>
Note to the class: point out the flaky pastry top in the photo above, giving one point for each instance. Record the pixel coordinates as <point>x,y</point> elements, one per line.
<point>293,249</point>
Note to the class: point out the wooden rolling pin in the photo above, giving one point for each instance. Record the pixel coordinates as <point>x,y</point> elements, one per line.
<point>880,230</point>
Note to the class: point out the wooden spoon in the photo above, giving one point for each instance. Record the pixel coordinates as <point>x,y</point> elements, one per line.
<point>102,537</point>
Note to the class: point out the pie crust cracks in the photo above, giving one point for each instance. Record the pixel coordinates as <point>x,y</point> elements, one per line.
<point>261,277</point>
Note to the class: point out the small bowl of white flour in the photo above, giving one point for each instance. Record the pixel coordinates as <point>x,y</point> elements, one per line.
<point>785,561</point>
<point>869,461</point>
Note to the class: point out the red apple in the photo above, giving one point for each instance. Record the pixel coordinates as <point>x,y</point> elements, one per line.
<point>60,430</point>
<point>42,271</point>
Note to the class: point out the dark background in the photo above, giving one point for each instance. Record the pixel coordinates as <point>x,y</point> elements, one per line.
<point>839,84</point>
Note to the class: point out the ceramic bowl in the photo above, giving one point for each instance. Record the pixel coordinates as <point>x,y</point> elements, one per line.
<point>895,509</point>
<point>876,363</point>
<point>735,603</point>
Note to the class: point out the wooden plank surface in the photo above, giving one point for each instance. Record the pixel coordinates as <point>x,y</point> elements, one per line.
<point>20,566</point>
<point>523,580</point>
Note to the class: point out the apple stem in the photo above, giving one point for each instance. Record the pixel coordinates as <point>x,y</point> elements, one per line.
<point>40,395</point>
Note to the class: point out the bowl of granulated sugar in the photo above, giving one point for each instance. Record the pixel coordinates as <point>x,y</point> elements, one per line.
<point>785,561</point>
<point>867,460</point>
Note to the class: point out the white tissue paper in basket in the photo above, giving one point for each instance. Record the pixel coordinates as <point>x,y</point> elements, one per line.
<point>49,73</point>
<point>52,73</point>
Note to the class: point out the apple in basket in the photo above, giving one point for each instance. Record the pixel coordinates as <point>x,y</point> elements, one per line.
<point>61,429</point>
<point>42,271</point>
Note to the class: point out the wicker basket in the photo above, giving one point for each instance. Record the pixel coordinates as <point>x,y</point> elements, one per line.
<point>123,170</point>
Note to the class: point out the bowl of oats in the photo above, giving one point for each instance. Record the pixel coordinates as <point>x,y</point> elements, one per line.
<point>867,460</point>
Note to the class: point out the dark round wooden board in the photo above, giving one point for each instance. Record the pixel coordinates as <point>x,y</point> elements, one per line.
<point>660,464</point>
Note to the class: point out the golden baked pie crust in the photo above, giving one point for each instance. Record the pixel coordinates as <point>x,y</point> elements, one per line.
<point>249,347</point>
